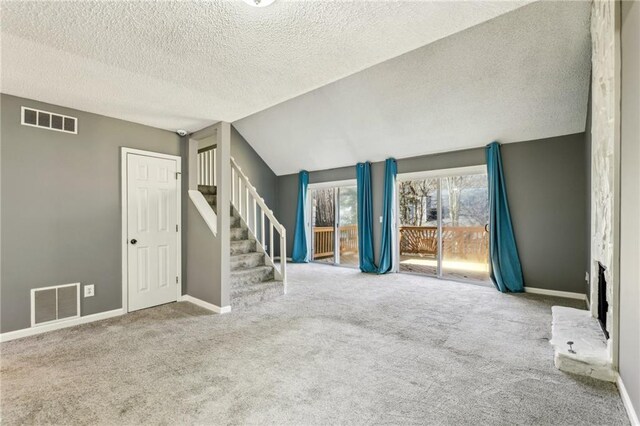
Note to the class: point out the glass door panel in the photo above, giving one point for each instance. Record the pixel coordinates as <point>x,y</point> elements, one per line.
<point>465,240</point>
<point>418,220</point>
<point>348,225</point>
<point>323,225</point>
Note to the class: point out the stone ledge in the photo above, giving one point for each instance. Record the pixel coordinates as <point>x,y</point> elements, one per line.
<point>591,357</point>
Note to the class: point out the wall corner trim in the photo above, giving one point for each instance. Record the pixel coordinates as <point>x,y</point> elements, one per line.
<point>205,210</point>
<point>206,305</point>
<point>555,293</point>
<point>32,331</point>
<point>626,400</point>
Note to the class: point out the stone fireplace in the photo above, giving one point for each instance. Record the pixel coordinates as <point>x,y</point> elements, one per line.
<point>585,341</point>
<point>603,304</point>
<point>605,143</point>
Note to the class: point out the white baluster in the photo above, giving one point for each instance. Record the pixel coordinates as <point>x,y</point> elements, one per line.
<point>271,239</point>
<point>255,216</point>
<point>262,228</point>
<point>233,186</point>
<point>246,204</point>
<point>283,258</point>
<point>207,176</point>
<point>210,175</point>
<point>205,168</point>
<point>213,162</point>
<point>240,197</point>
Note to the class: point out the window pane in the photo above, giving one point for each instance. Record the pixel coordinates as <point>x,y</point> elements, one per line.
<point>418,218</point>
<point>323,220</point>
<point>465,241</point>
<point>348,221</point>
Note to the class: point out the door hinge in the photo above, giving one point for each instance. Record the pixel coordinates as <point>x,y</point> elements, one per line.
<point>176,280</point>
<point>178,173</point>
<point>176,228</point>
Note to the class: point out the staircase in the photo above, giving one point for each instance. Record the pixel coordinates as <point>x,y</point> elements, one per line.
<point>252,279</point>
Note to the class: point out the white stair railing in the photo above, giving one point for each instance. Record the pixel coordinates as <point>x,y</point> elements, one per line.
<point>254,212</point>
<point>207,166</point>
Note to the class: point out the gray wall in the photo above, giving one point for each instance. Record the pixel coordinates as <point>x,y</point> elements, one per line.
<point>61,206</point>
<point>629,349</point>
<point>258,172</point>
<point>546,184</point>
<point>204,259</point>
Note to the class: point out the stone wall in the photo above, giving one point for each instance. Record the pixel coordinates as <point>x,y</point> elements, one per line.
<point>604,168</point>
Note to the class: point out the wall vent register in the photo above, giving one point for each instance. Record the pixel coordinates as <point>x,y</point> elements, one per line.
<point>49,120</point>
<point>56,303</point>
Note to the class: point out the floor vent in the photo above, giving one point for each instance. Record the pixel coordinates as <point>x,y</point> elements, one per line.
<point>56,303</point>
<point>49,120</point>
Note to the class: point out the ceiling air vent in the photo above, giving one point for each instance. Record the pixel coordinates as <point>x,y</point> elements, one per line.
<point>49,120</point>
<point>53,304</point>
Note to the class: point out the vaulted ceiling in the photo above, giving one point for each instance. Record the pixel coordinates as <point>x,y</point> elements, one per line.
<point>311,84</point>
<point>521,76</point>
<point>173,64</point>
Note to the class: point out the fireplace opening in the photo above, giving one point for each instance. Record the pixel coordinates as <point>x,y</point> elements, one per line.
<point>603,306</point>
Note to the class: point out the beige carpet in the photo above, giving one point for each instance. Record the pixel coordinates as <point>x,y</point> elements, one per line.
<point>341,348</point>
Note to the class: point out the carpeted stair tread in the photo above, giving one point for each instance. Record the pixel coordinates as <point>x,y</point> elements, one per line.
<point>238,234</point>
<point>247,260</point>
<point>242,247</point>
<point>235,222</point>
<point>208,189</point>
<point>256,274</point>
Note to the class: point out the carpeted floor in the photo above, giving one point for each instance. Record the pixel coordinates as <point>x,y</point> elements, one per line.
<point>341,348</point>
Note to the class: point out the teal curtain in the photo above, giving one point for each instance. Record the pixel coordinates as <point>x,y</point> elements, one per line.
<point>506,271</point>
<point>365,218</point>
<point>300,248</point>
<point>386,249</point>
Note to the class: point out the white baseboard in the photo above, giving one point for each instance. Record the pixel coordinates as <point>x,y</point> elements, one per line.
<point>206,305</point>
<point>556,293</point>
<point>32,331</point>
<point>628,405</point>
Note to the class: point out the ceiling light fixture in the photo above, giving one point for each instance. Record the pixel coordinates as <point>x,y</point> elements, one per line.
<point>259,3</point>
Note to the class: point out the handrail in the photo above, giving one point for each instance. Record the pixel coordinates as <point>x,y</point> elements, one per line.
<point>251,196</point>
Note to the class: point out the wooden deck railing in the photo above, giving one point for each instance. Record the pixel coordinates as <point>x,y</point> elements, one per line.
<point>323,239</point>
<point>459,242</point>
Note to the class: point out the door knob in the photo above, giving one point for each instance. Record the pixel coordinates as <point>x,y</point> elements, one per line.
<point>134,241</point>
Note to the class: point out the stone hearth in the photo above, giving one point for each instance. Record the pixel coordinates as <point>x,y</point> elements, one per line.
<point>589,354</point>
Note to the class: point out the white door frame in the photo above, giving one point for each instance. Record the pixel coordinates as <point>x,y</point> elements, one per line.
<point>124,210</point>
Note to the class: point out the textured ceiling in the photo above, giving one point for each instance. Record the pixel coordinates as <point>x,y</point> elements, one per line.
<point>521,76</point>
<point>189,64</point>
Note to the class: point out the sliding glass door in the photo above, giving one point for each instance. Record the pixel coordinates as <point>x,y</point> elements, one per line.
<point>334,222</point>
<point>348,226</point>
<point>443,225</point>
<point>324,225</point>
<point>465,215</point>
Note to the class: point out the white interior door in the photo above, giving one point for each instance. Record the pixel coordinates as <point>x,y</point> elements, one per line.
<point>152,232</point>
